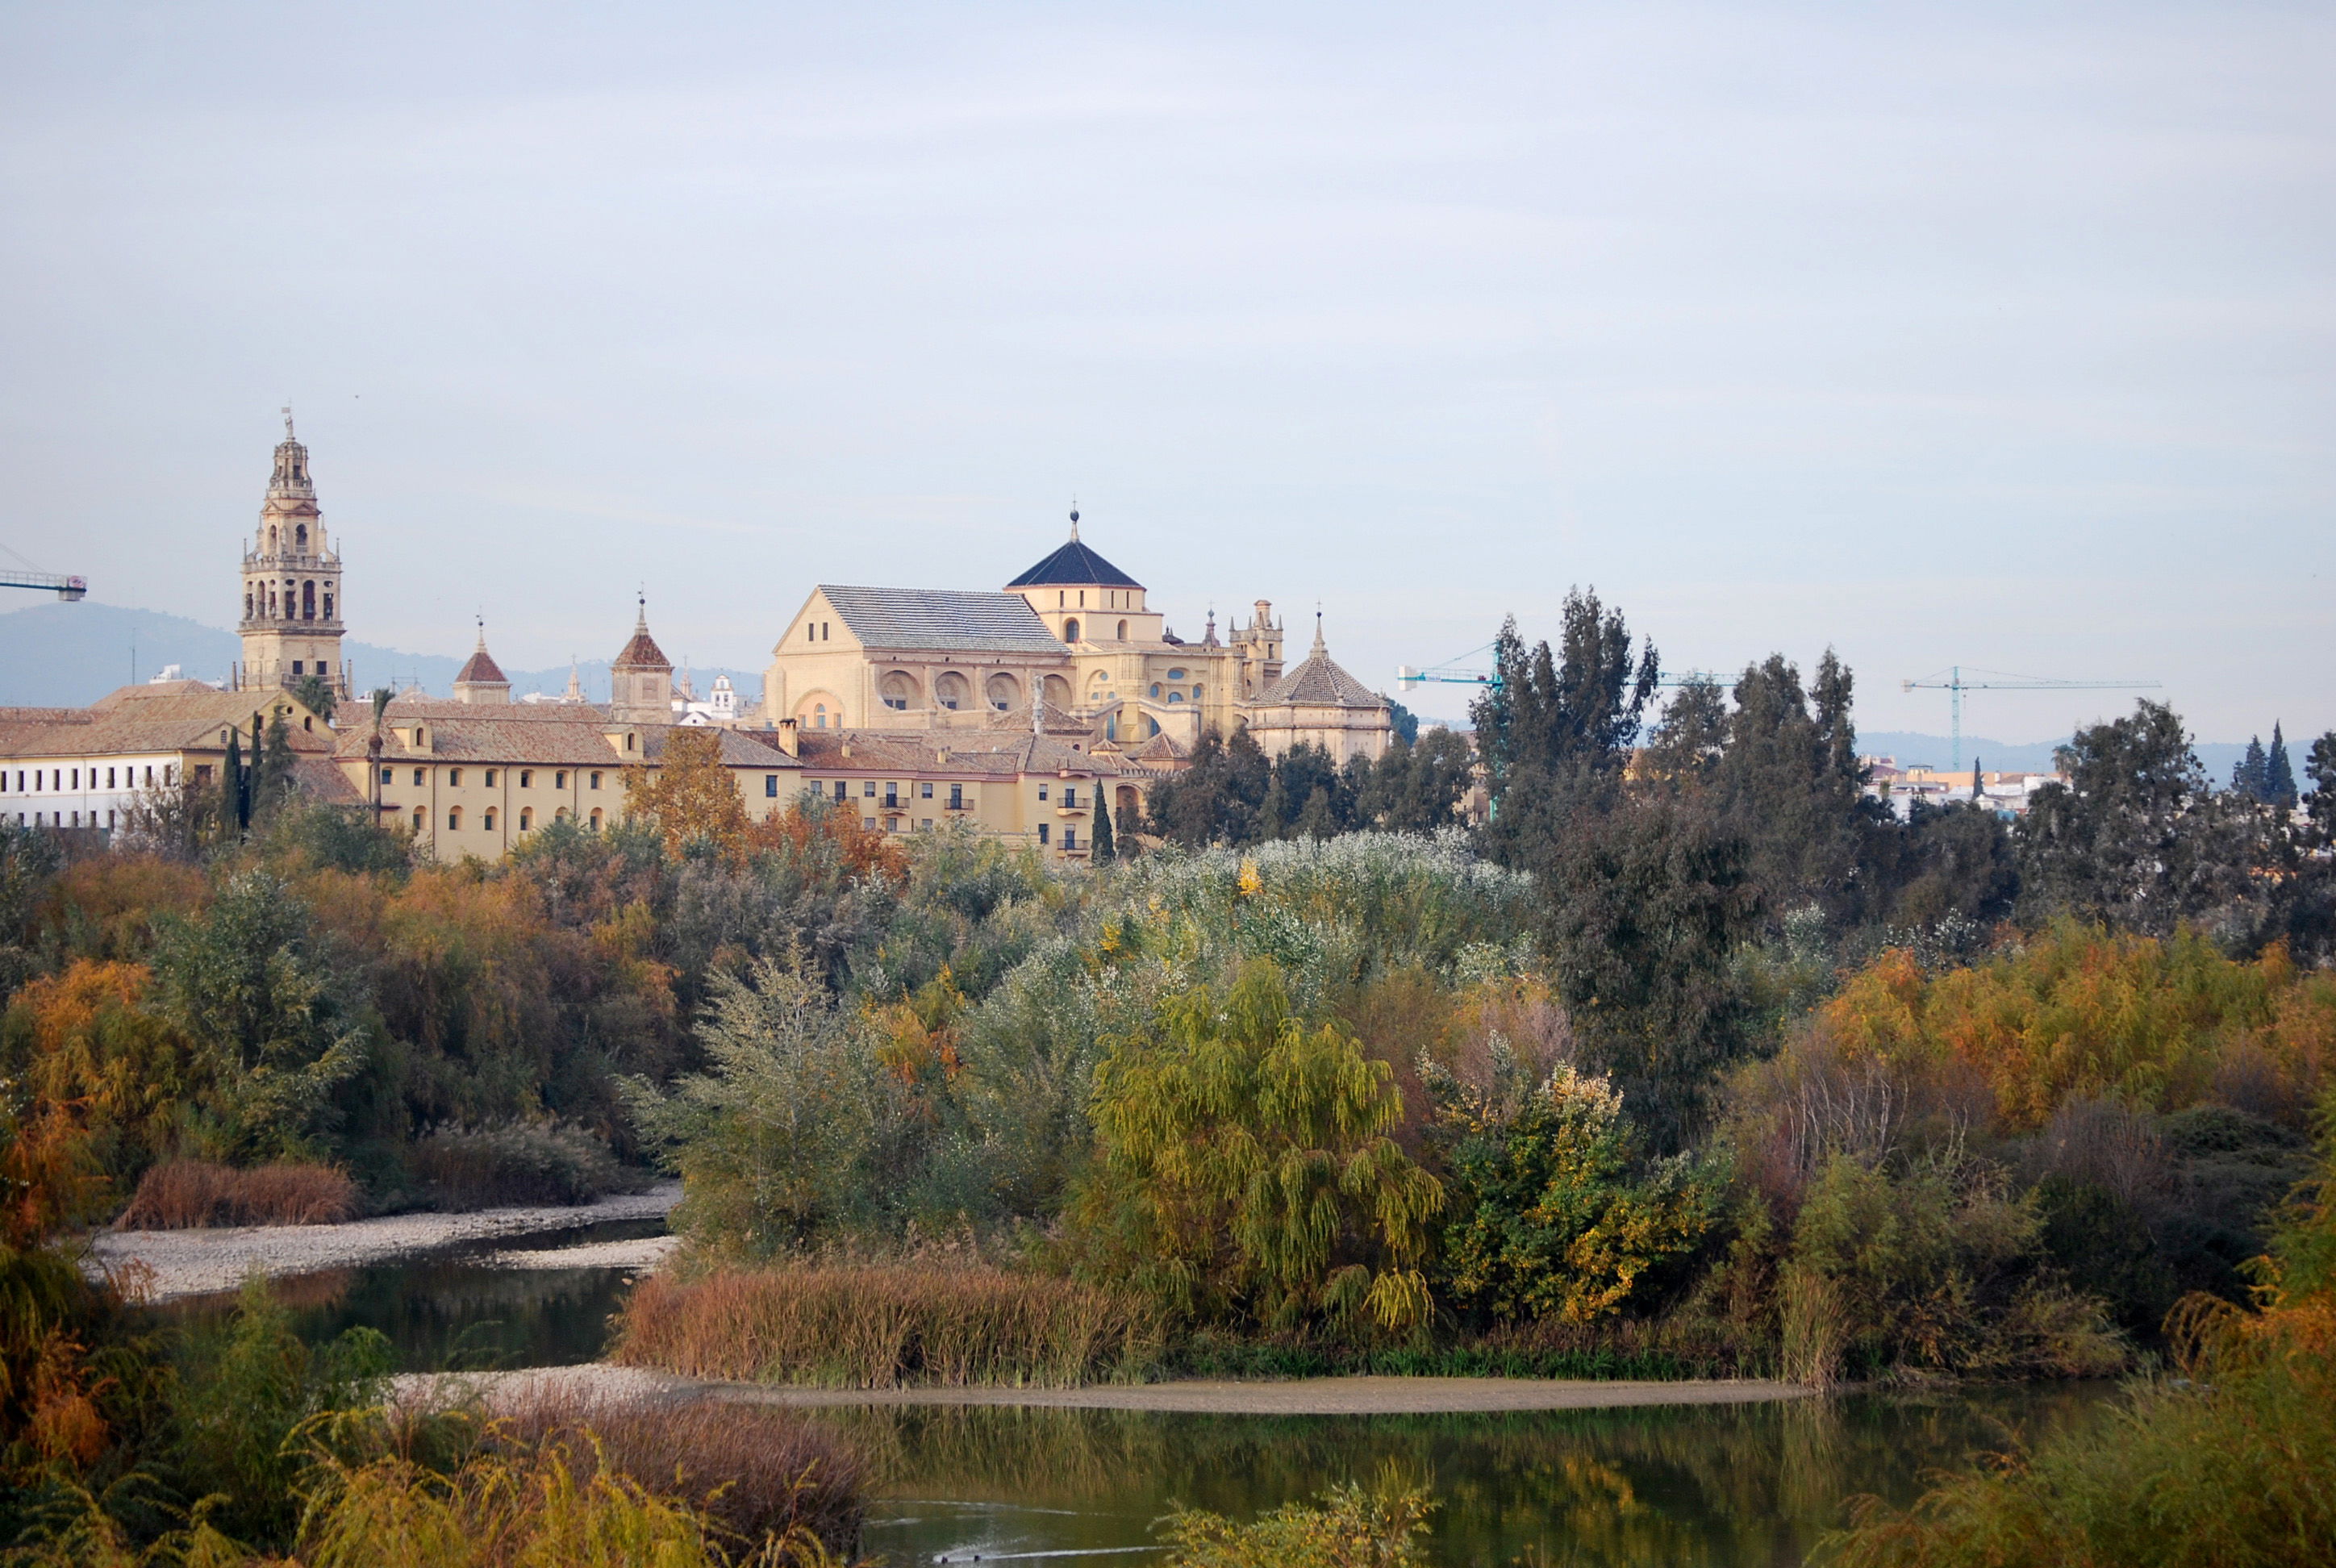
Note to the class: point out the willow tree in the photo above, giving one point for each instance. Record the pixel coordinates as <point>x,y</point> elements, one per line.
<point>1244,1172</point>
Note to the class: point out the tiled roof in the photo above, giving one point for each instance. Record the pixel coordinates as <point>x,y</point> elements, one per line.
<point>1317,682</point>
<point>740,747</point>
<point>482,670</point>
<point>934,617</point>
<point>1077,565</point>
<point>642,652</point>
<point>473,734</point>
<point>181,716</point>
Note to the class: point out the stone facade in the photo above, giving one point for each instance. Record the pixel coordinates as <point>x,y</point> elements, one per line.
<point>292,605</point>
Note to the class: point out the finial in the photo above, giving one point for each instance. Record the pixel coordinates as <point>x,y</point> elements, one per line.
<point>288,421</point>
<point>1319,648</point>
<point>483,631</point>
<point>1074,520</point>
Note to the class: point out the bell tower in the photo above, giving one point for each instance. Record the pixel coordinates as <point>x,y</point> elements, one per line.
<point>291,625</point>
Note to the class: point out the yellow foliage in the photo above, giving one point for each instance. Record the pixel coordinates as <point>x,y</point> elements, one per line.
<point>2077,1011</point>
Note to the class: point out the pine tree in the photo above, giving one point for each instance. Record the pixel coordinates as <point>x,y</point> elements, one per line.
<point>2279,774</point>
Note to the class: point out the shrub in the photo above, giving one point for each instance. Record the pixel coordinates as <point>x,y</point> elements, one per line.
<point>1345,1527</point>
<point>1555,1219</point>
<point>521,1163</point>
<point>195,1195</point>
<point>885,1326</point>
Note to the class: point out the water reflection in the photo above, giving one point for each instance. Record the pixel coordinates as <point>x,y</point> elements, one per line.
<point>1721,1485</point>
<point>454,1312</point>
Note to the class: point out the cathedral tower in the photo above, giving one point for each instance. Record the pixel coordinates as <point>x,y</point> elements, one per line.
<point>291,625</point>
<point>640,680</point>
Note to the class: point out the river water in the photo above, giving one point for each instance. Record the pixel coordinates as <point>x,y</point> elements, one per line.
<point>1700,1486</point>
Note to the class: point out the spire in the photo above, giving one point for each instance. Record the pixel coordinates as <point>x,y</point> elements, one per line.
<point>1320,650</point>
<point>575,681</point>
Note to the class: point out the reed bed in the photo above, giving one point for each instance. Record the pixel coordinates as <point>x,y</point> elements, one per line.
<point>197,1194</point>
<point>886,1326</point>
<point>760,1473</point>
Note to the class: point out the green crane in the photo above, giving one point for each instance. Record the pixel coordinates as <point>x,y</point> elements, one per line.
<point>1952,681</point>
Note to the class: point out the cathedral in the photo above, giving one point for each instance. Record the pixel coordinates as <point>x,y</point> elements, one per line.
<point>1075,635</point>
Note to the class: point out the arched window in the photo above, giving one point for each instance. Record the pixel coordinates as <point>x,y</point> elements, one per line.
<point>1071,629</point>
<point>819,717</point>
<point>560,815</point>
<point>417,819</point>
<point>1196,691</point>
<point>527,819</point>
<point>307,601</point>
<point>328,604</point>
<point>1122,631</point>
<point>1156,689</point>
<point>487,821</point>
<point>950,690</point>
<point>271,541</point>
<point>1003,691</point>
<point>454,819</point>
<point>246,604</point>
<point>301,539</point>
<point>899,691</point>
<point>596,819</point>
<point>1175,696</point>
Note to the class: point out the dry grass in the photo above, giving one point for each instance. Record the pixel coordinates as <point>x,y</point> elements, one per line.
<point>759,1474</point>
<point>883,1326</point>
<point>193,1194</point>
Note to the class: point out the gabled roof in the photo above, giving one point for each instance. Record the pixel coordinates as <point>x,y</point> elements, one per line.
<point>1077,565</point>
<point>934,617</point>
<point>179,715</point>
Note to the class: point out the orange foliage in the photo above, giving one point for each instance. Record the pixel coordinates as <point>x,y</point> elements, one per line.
<point>2076,1012</point>
<point>105,906</point>
<point>866,854</point>
<point>689,796</point>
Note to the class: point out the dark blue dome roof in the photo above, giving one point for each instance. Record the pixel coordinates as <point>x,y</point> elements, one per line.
<point>1075,565</point>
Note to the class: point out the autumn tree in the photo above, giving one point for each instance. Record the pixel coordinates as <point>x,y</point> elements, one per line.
<point>689,798</point>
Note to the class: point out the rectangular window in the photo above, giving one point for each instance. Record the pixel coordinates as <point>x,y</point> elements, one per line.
<point>926,826</point>
<point>76,773</point>
<point>868,825</point>
<point>202,773</point>
<point>560,779</point>
<point>296,666</point>
<point>1041,791</point>
<point>389,775</point>
<point>527,778</point>
<point>868,789</point>
<point>1070,797</point>
<point>1042,833</point>
<point>417,775</point>
<point>956,797</point>
<point>1070,838</point>
<point>840,790</point>
<point>596,781</point>
<point>490,778</point>
<point>149,776</point>
<point>453,775</point>
<point>771,785</point>
<point>926,790</point>
<point>109,778</point>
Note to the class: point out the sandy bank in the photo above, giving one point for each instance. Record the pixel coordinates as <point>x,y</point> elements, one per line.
<point>640,1256</point>
<point>196,1263</point>
<point>1292,1397</point>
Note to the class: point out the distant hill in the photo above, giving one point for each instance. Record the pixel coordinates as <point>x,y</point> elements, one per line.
<point>59,655</point>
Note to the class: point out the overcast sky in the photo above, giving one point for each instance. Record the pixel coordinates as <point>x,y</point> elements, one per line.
<point>1998,335</point>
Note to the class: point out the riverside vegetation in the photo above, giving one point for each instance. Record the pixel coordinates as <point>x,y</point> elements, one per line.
<point>1691,1060</point>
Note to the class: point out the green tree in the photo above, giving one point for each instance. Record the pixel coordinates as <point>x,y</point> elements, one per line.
<point>1243,1168</point>
<point>1219,799</point>
<point>274,1022</point>
<point>315,692</point>
<point>1416,787</point>
<point>1103,849</point>
<point>2279,774</point>
<point>2251,775</point>
<point>1556,714</point>
<point>1790,785</point>
<point>2133,837</point>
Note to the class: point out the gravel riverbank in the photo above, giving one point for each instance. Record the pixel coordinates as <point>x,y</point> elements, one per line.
<point>198,1263</point>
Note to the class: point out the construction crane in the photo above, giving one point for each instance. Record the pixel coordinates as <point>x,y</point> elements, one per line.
<point>23,575</point>
<point>1456,672</point>
<point>1952,681</point>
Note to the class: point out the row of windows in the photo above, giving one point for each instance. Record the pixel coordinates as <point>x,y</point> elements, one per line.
<point>53,780</point>
<point>261,602</point>
<point>57,820</point>
<point>489,819</point>
<point>957,799</point>
<point>494,776</point>
<point>925,825</point>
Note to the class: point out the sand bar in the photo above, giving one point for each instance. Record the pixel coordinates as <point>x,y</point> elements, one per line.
<point>198,1263</point>
<point>1287,1396</point>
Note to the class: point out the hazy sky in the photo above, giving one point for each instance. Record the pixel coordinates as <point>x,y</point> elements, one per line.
<point>1994,335</point>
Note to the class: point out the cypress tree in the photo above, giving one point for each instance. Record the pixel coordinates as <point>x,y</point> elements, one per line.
<point>2250,777</point>
<point>232,801</point>
<point>1102,848</point>
<point>2279,774</point>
